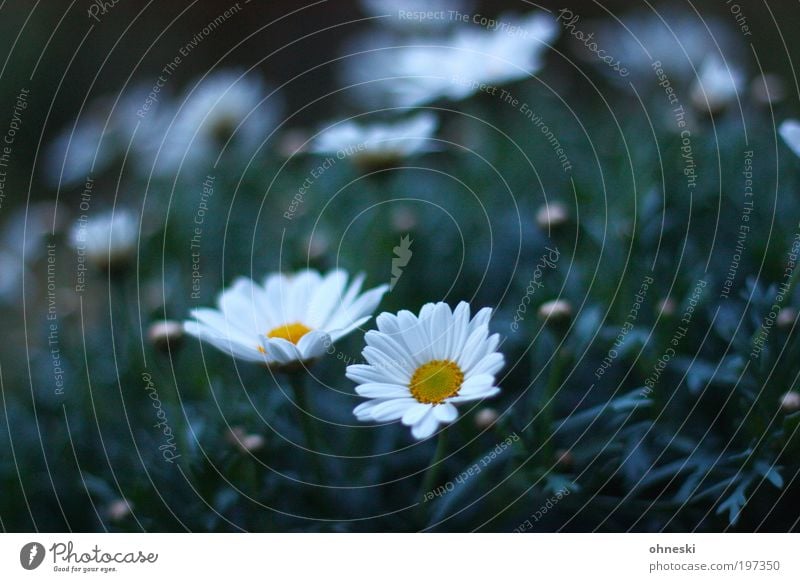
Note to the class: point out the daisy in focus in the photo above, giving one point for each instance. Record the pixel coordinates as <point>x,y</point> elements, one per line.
<point>290,319</point>
<point>420,367</point>
<point>379,144</point>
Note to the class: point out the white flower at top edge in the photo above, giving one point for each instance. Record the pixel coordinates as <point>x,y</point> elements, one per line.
<point>379,141</point>
<point>425,69</point>
<point>420,367</point>
<point>288,319</point>
<point>108,238</point>
<point>790,132</point>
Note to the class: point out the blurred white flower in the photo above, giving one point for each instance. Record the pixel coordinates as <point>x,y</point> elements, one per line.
<point>377,144</point>
<point>288,320</point>
<point>453,67</point>
<point>679,39</point>
<point>717,84</point>
<point>420,367</point>
<point>224,111</point>
<point>97,138</point>
<point>107,239</point>
<point>790,132</point>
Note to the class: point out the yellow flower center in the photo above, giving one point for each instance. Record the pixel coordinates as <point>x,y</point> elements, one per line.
<point>291,332</point>
<point>435,381</point>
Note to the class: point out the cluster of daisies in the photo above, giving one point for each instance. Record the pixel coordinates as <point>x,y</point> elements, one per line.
<point>418,366</point>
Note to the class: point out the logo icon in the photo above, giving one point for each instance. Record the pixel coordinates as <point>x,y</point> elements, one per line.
<point>402,255</point>
<point>31,555</point>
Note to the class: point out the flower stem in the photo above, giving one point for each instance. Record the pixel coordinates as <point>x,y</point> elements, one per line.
<point>298,384</point>
<point>432,473</point>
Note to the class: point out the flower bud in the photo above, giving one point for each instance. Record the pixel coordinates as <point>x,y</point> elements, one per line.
<point>555,312</point>
<point>786,317</point>
<point>552,215</point>
<point>118,510</point>
<point>564,459</point>
<point>248,443</point>
<point>790,402</point>
<point>485,418</point>
<point>165,335</point>
<point>666,307</point>
<point>768,89</point>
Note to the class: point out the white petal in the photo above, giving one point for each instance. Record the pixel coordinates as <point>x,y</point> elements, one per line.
<point>476,383</point>
<point>490,364</point>
<point>415,413</point>
<point>415,337</point>
<point>364,410</point>
<point>337,334</point>
<point>376,390</point>
<point>364,374</point>
<point>474,348</point>
<point>439,326</point>
<point>445,412</point>
<point>392,409</point>
<point>472,396</point>
<point>790,132</point>
<point>326,297</point>
<point>394,369</point>
<point>313,344</point>
<point>426,426</point>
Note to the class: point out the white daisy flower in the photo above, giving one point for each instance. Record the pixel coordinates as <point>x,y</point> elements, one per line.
<point>378,143</point>
<point>225,110</point>
<point>106,239</point>
<point>790,132</point>
<point>717,84</point>
<point>453,67</point>
<point>420,367</point>
<point>288,320</point>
